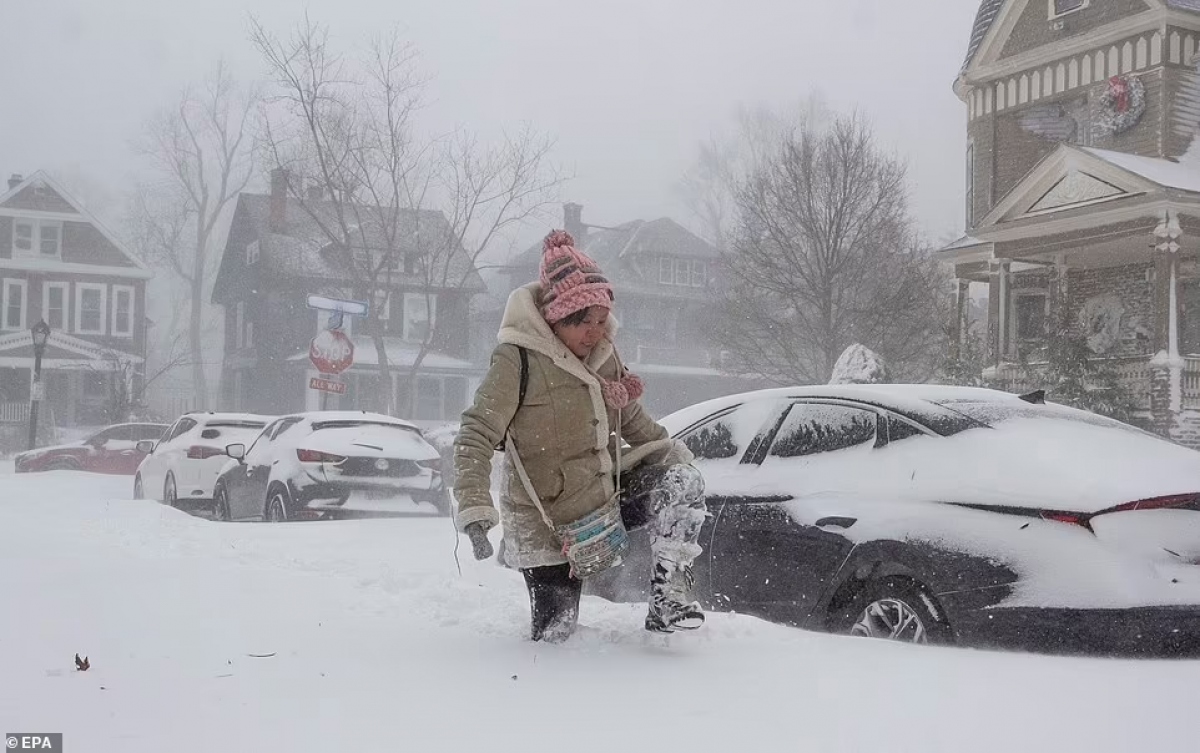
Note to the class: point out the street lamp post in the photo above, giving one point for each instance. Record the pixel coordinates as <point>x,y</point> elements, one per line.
<point>40,333</point>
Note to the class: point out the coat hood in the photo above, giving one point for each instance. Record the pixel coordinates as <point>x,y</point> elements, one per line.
<point>522,324</point>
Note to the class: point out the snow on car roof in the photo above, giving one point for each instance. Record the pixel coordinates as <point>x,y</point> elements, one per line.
<point>351,415</point>
<point>210,417</point>
<point>914,397</point>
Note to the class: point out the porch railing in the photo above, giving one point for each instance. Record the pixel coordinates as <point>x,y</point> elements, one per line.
<point>1133,373</point>
<point>14,413</point>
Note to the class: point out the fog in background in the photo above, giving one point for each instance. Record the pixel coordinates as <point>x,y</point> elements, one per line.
<point>627,89</point>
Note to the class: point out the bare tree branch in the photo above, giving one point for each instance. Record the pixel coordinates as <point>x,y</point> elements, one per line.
<point>823,254</point>
<point>407,213</point>
<point>201,150</point>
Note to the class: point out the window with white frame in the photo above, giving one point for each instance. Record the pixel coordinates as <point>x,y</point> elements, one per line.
<point>122,311</point>
<point>36,238</point>
<point>91,300</point>
<point>14,304</point>
<point>683,272</point>
<point>420,316</point>
<point>54,304</point>
<point>1063,7</point>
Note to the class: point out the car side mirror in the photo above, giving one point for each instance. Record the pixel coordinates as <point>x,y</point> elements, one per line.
<point>145,446</point>
<point>236,451</point>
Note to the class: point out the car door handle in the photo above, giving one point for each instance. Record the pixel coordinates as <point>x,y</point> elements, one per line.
<point>836,522</point>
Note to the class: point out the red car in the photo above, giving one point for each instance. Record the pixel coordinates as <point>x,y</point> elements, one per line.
<point>110,450</point>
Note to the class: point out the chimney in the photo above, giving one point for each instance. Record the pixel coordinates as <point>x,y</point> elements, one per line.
<point>14,180</point>
<point>279,195</point>
<point>573,222</point>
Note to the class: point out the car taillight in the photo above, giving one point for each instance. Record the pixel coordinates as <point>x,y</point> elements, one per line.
<point>316,456</point>
<point>1069,517</point>
<point>201,452</point>
<point>1158,503</point>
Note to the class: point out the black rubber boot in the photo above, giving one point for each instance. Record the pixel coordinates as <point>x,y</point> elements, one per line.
<point>553,602</point>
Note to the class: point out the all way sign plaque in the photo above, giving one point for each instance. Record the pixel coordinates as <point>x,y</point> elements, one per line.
<point>327,385</point>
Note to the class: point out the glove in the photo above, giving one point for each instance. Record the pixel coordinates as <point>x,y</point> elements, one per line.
<point>479,541</point>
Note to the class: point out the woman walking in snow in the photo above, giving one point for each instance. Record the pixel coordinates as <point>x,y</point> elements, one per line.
<point>560,402</point>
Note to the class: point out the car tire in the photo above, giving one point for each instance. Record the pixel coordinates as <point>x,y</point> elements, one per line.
<point>170,491</point>
<point>138,491</point>
<point>276,509</point>
<point>899,609</point>
<point>220,508</point>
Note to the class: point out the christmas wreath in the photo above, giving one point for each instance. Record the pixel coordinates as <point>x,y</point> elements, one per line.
<point>1100,321</point>
<point>1122,104</point>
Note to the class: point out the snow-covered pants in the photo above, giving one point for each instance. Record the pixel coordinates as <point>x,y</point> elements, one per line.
<point>670,499</point>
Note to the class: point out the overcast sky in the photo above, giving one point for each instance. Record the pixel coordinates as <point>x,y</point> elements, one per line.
<point>627,88</point>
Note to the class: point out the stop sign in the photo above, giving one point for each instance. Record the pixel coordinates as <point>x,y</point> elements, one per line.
<point>331,352</point>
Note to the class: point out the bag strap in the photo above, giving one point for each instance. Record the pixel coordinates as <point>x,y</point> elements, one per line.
<point>525,482</point>
<point>524,375</point>
<point>521,392</point>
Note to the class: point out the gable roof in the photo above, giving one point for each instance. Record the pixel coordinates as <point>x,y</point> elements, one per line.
<point>1071,179</point>
<point>304,249</point>
<point>990,12</point>
<point>42,178</point>
<point>618,249</point>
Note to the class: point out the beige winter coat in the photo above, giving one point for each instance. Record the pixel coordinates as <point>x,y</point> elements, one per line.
<point>563,433</point>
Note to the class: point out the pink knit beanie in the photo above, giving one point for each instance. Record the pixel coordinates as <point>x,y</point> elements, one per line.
<point>571,281</point>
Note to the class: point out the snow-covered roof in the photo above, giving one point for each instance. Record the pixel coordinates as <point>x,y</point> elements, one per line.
<point>400,353</point>
<point>967,241</point>
<point>1179,175</point>
<point>988,10</point>
<point>303,249</point>
<point>618,250</point>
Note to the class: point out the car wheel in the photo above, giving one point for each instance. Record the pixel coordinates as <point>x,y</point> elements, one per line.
<point>277,506</point>
<point>170,494</point>
<point>220,510</point>
<point>138,491</point>
<point>899,609</point>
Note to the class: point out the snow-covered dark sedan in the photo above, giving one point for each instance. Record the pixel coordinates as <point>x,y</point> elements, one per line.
<point>938,514</point>
<point>331,464</point>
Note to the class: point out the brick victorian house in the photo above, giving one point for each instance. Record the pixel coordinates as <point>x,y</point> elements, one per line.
<point>276,255</point>
<point>665,278</point>
<point>1083,192</point>
<point>58,263</point>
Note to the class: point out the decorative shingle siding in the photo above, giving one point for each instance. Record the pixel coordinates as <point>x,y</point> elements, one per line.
<point>1035,29</point>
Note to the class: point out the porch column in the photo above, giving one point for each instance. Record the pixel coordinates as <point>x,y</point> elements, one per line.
<point>962,295</point>
<point>1059,295</point>
<point>998,308</point>
<point>1166,367</point>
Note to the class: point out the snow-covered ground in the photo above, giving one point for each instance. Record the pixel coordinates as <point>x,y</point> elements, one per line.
<point>363,636</point>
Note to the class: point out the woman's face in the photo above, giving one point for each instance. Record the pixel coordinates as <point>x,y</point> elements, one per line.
<point>583,337</point>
